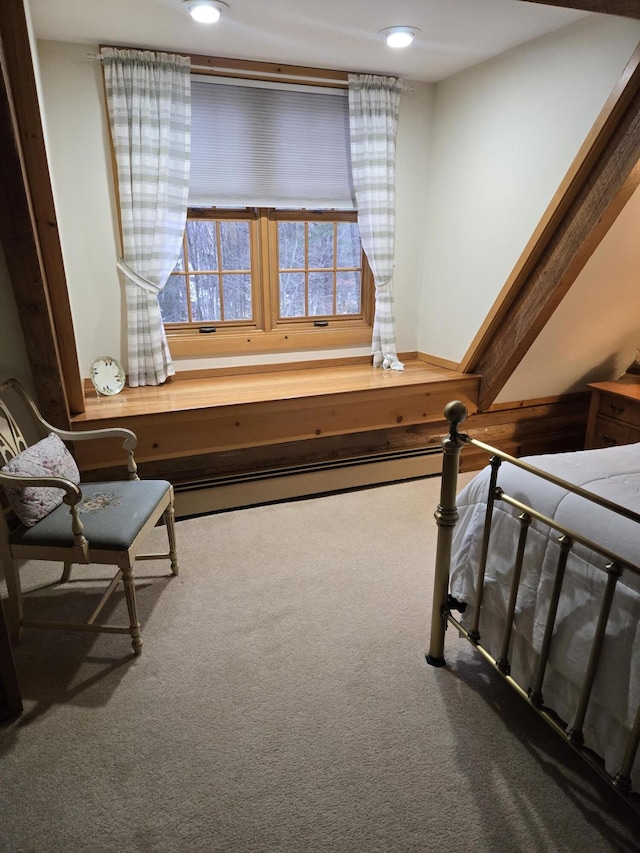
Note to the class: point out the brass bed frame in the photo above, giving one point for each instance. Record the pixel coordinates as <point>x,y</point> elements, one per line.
<point>446,518</point>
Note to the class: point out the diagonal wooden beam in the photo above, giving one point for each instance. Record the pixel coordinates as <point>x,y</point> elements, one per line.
<point>625,8</point>
<point>598,185</point>
<point>26,273</point>
<point>30,235</point>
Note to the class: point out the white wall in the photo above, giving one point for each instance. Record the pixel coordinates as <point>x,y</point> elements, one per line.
<point>505,134</point>
<point>80,161</point>
<point>412,156</point>
<point>77,141</point>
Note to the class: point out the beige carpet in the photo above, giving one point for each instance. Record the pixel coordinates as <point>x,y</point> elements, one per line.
<point>283,703</point>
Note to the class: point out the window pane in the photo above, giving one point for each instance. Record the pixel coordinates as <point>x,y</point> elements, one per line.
<point>291,245</point>
<point>237,297</point>
<point>173,300</point>
<point>320,293</point>
<point>292,294</point>
<point>348,293</point>
<point>179,267</point>
<point>202,249</point>
<point>205,298</point>
<point>234,238</point>
<point>321,245</point>
<point>349,248</point>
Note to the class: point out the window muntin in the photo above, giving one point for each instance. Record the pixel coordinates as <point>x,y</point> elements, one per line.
<point>319,269</point>
<point>212,281</point>
<point>306,267</point>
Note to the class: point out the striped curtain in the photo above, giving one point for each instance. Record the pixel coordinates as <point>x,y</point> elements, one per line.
<point>374,103</point>
<point>149,103</point>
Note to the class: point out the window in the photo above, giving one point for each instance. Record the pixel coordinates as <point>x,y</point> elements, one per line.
<point>319,267</point>
<point>213,279</point>
<point>268,271</point>
<point>271,256</point>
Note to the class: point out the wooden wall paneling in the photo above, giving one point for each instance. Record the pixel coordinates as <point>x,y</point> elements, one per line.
<point>276,458</point>
<point>38,278</point>
<point>550,425</point>
<point>602,179</point>
<point>538,426</point>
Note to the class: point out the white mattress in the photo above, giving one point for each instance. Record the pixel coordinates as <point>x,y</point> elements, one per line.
<point>613,473</point>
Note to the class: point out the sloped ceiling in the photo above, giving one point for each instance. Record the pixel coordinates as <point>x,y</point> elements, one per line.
<point>599,184</point>
<point>594,333</point>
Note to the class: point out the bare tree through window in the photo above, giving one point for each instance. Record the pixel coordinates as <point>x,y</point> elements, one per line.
<point>221,274</point>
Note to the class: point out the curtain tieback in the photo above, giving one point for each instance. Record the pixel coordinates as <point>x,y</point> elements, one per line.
<point>133,276</point>
<point>383,286</point>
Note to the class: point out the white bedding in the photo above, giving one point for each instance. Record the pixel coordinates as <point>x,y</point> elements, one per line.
<point>613,473</point>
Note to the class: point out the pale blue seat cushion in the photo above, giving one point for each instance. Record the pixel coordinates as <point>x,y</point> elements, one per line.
<point>112,515</point>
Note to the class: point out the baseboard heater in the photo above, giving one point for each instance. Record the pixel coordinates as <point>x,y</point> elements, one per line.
<point>235,491</point>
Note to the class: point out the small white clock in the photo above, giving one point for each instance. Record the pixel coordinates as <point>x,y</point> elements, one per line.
<point>107,375</point>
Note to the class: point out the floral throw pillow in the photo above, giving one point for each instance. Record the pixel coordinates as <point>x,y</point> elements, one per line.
<point>47,458</point>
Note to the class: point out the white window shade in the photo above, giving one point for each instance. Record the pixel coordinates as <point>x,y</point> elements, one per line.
<point>253,145</point>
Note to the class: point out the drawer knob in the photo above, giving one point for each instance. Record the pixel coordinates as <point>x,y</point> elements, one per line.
<point>617,408</point>
<point>609,441</point>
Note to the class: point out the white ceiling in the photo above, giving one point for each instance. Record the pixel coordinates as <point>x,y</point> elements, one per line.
<point>337,34</point>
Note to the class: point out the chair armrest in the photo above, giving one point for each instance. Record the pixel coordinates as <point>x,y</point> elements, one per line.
<point>73,494</point>
<point>129,443</point>
<point>130,438</point>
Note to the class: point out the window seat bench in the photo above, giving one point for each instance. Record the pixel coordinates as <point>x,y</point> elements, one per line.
<point>190,418</point>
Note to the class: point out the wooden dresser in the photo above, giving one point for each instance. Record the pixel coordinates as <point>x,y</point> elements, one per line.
<point>614,414</point>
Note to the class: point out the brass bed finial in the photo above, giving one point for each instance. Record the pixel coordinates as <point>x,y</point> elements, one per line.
<point>455,412</point>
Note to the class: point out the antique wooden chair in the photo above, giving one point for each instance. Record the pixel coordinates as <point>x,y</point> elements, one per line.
<point>52,516</point>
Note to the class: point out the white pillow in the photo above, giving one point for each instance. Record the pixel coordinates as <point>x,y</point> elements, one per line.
<point>47,458</point>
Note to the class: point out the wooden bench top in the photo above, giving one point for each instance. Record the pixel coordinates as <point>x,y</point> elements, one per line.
<point>274,385</point>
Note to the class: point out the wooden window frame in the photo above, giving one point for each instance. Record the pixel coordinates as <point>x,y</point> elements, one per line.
<point>251,216</point>
<point>266,332</point>
<point>365,316</point>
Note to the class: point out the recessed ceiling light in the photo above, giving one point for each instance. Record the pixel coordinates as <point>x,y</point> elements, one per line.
<point>399,36</point>
<point>205,11</point>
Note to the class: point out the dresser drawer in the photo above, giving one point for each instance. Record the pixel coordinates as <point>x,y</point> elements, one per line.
<point>609,433</point>
<point>621,408</point>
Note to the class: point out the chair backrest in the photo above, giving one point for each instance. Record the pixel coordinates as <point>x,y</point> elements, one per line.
<point>12,441</point>
<point>16,402</point>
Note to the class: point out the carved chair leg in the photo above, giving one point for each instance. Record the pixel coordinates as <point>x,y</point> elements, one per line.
<point>134,623</point>
<point>169,517</point>
<point>66,573</point>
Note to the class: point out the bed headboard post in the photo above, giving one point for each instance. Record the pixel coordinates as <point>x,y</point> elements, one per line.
<point>446,516</point>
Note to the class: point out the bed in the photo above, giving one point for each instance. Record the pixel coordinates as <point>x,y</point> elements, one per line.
<point>537,565</point>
